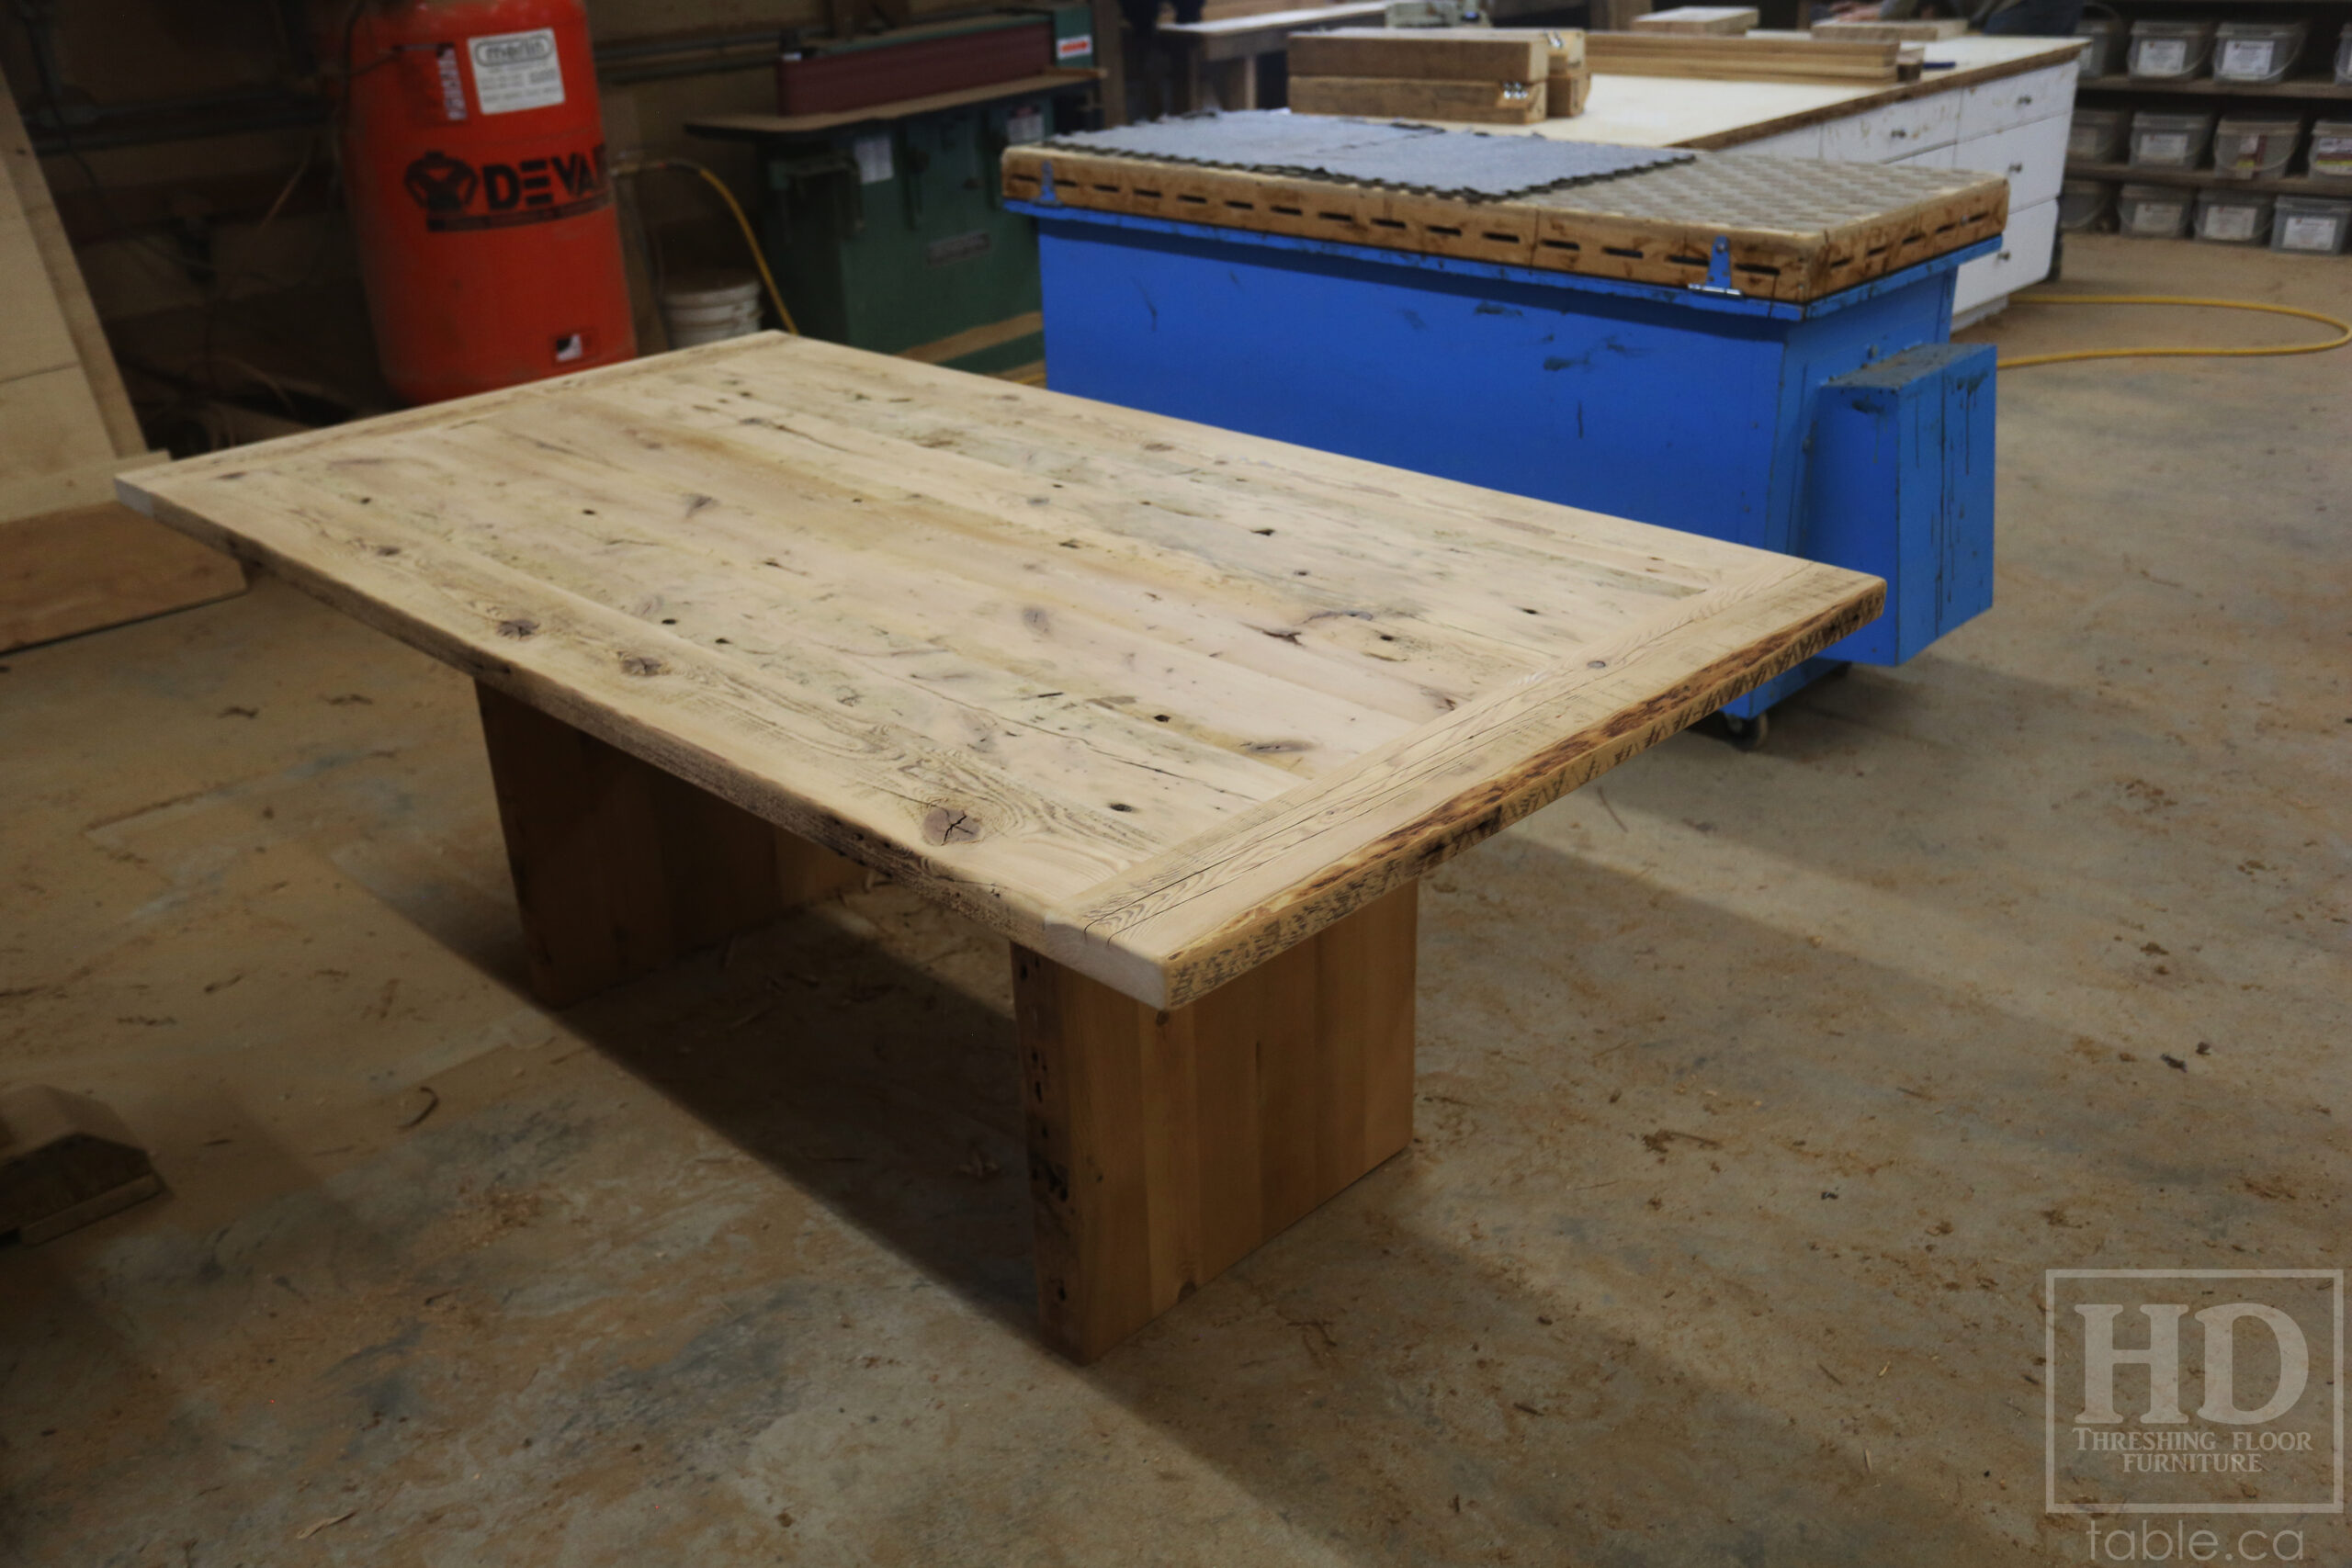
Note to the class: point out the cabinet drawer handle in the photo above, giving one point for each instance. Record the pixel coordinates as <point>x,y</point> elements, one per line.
<point>2026,99</point>
<point>2017,168</point>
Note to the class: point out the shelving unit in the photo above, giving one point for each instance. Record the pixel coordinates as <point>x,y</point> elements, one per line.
<point>2312,91</point>
<point>2304,88</point>
<point>2296,185</point>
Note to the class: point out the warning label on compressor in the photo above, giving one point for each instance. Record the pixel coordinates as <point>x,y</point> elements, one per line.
<point>516,71</point>
<point>458,195</point>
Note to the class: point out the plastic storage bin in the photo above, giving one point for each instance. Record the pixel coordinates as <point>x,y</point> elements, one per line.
<point>2102,46</point>
<point>2234,216</point>
<point>2255,51</point>
<point>2161,140</point>
<point>2312,226</point>
<point>2255,147</point>
<point>2152,212</point>
<point>2097,136</point>
<point>2169,52</point>
<point>2085,205</point>
<point>2331,149</point>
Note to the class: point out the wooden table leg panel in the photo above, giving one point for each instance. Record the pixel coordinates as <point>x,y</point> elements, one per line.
<point>1164,1146</point>
<point>620,867</point>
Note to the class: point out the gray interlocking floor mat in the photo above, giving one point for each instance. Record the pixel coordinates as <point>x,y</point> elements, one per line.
<point>1465,163</point>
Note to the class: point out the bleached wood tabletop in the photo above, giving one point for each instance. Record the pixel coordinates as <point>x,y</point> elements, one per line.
<point>1170,707</point>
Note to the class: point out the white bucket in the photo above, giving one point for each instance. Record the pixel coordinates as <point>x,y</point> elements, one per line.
<point>711,308</point>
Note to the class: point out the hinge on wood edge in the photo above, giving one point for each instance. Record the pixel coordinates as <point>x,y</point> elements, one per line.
<point>1718,269</point>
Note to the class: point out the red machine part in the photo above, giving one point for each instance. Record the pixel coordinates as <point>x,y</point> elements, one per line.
<point>481,195</point>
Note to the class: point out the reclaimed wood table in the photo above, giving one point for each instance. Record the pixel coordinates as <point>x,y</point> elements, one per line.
<point>1182,714</point>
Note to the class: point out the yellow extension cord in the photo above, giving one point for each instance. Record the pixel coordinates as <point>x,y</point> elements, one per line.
<point>2343,330</point>
<point>759,257</point>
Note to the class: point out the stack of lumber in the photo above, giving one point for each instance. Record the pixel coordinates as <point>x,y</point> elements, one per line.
<point>1568,74</point>
<point>72,560</point>
<point>1781,58</point>
<point>1931,29</point>
<point>1473,74</point>
<point>1731,20</point>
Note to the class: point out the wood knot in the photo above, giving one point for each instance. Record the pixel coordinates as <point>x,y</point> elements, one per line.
<point>948,825</point>
<point>518,626</point>
<point>638,664</point>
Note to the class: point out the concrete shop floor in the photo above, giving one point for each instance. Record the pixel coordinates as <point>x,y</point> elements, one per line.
<point>1756,1093</point>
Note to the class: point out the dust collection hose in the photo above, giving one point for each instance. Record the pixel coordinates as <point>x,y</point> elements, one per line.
<point>2343,330</point>
<point>759,257</point>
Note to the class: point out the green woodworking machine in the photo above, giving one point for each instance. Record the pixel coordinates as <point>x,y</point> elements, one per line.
<point>882,213</point>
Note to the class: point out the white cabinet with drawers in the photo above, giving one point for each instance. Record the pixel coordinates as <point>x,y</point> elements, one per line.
<point>1892,130</point>
<point>2023,258</point>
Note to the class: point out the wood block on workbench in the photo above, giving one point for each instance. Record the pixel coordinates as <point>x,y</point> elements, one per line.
<point>1382,97</point>
<point>1422,54</point>
<point>1719,58</point>
<point>1733,21</point>
<point>1931,29</point>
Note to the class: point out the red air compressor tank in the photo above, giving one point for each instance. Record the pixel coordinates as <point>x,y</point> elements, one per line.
<point>480,196</point>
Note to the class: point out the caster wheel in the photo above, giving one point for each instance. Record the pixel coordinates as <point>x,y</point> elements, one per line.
<point>1747,734</point>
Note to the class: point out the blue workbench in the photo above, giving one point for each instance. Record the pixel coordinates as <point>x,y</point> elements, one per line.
<point>1846,429</point>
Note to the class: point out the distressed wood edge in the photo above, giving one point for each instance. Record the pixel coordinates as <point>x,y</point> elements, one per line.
<point>1433,835</point>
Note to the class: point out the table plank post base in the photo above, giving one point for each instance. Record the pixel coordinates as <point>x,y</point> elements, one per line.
<point>621,868</point>
<point>1165,1145</point>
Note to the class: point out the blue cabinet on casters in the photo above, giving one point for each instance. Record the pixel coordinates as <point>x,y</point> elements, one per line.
<point>1847,430</point>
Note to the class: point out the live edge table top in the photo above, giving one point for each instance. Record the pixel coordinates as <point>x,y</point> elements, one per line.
<point>1155,700</point>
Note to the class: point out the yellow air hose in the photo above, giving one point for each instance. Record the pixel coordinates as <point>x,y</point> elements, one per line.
<point>2343,330</point>
<point>759,257</point>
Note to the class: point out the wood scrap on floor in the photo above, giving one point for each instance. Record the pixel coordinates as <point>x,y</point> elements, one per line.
<point>1722,21</point>
<point>65,1161</point>
<point>71,559</point>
